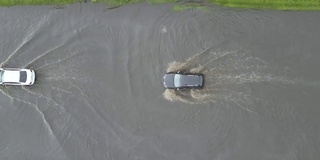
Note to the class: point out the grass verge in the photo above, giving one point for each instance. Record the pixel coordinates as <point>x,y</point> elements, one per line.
<point>270,4</point>
<point>189,4</point>
<point>36,2</point>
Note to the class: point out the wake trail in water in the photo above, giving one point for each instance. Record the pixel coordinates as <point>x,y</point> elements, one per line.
<point>54,54</point>
<point>59,60</point>
<point>56,88</point>
<point>61,109</point>
<point>228,76</point>
<point>44,54</point>
<point>178,66</point>
<point>45,121</point>
<point>27,40</point>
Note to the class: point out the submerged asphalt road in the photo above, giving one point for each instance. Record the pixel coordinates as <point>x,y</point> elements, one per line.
<point>98,93</point>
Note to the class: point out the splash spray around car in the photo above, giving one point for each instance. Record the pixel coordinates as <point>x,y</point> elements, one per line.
<point>228,78</point>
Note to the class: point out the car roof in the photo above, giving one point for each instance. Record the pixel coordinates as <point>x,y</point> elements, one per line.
<point>11,76</point>
<point>183,80</point>
<point>178,80</point>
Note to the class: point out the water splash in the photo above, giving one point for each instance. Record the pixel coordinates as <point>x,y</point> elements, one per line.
<point>228,78</point>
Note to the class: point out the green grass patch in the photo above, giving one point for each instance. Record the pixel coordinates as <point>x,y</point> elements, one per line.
<point>270,4</point>
<point>36,2</point>
<point>255,4</point>
<point>191,4</point>
<point>125,2</point>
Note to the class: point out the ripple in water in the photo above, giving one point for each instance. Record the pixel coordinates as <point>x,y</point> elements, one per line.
<point>228,78</point>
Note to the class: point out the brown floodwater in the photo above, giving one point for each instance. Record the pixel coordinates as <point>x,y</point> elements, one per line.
<point>98,92</point>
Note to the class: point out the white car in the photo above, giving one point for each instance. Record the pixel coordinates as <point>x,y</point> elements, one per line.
<point>16,76</point>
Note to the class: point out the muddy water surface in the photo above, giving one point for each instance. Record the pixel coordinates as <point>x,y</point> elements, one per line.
<point>98,92</point>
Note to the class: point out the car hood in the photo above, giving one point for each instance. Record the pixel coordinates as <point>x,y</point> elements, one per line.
<point>168,80</point>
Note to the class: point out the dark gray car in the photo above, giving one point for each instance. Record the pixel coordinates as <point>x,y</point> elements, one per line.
<point>183,80</point>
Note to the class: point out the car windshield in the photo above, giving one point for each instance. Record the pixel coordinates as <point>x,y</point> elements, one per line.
<point>177,80</point>
<point>23,76</point>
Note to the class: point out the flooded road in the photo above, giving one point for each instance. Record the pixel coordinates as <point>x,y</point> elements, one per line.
<point>98,92</point>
